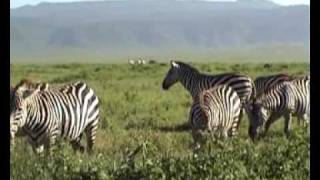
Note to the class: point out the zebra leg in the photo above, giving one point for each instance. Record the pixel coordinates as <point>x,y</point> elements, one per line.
<point>266,127</point>
<point>224,134</point>
<point>49,145</point>
<point>198,139</point>
<point>241,115</point>
<point>76,144</point>
<point>38,149</point>
<point>12,143</point>
<point>300,121</point>
<point>306,119</point>
<point>91,131</point>
<point>287,126</point>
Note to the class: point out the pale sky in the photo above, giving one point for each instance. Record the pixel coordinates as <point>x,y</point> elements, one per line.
<point>18,3</point>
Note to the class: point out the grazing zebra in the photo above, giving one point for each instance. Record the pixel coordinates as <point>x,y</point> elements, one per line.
<point>195,82</point>
<point>263,83</point>
<point>216,110</point>
<point>44,113</point>
<point>283,99</point>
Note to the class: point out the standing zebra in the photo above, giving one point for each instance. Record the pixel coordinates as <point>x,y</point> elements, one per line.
<point>284,99</point>
<point>216,110</point>
<point>263,83</point>
<point>195,82</point>
<point>45,112</point>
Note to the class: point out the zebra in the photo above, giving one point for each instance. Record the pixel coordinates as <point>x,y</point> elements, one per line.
<point>263,83</point>
<point>195,82</point>
<point>283,99</point>
<point>141,62</point>
<point>303,87</point>
<point>216,110</point>
<point>44,113</point>
<point>132,62</point>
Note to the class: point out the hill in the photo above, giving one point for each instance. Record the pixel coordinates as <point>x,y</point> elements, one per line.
<point>152,27</point>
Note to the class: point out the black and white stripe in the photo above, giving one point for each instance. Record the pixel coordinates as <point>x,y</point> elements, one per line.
<point>283,99</point>
<point>263,83</point>
<point>195,82</point>
<point>44,113</point>
<point>216,110</point>
<point>302,96</point>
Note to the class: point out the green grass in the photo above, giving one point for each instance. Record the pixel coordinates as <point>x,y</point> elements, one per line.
<point>136,114</point>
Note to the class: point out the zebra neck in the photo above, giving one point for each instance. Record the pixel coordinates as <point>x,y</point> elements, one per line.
<point>190,80</point>
<point>32,115</point>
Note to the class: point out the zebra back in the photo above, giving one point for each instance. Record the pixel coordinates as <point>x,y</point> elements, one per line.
<point>242,84</point>
<point>263,83</point>
<point>195,82</point>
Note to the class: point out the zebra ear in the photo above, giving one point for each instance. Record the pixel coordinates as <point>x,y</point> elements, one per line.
<point>174,64</point>
<point>28,92</point>
<point>42,86</point>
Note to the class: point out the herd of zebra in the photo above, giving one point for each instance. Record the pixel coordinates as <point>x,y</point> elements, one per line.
<point>138,62</point>
<point>43,112</point>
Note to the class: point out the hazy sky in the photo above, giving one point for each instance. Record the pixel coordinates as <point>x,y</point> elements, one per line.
<point>17,3</point>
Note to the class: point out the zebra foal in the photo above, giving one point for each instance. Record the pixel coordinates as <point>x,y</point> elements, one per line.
<point>217,111</point>
<point>44,113</point>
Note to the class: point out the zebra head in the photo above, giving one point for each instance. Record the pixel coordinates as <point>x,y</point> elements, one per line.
<point>258,115</point>
<point>20,96</point>
<point>172,75</point>
<point>176,73</point>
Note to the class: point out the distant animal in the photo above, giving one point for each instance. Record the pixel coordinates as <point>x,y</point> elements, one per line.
<point>217,110</point>
<point>195,82</point>
<point>283,99</point>
<point>132,62</point>
<point>267,66</point>
<point>151,61</point>
<point>44,113</point>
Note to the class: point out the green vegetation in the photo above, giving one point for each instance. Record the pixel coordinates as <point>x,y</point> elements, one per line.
<point>143,132</point>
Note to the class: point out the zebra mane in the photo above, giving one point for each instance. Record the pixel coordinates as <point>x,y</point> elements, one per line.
<point>303,77</point>
<point>187,66</point>
<point>27,84</point>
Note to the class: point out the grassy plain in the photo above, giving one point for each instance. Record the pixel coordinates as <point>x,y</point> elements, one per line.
<point>143,132</point>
